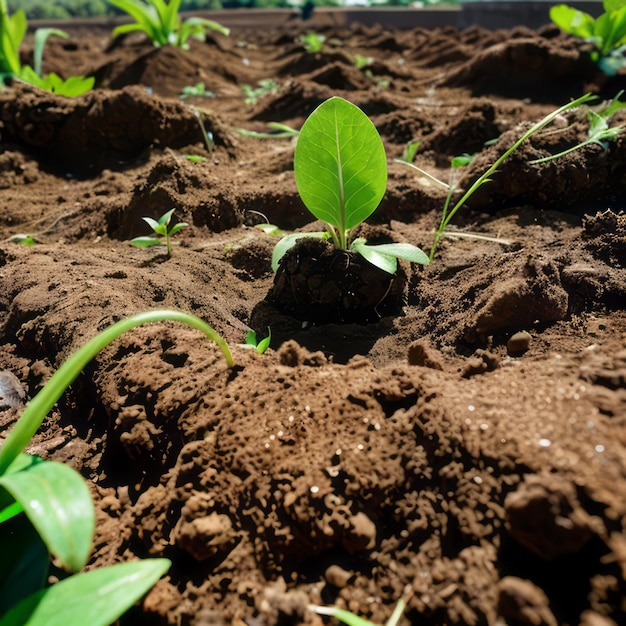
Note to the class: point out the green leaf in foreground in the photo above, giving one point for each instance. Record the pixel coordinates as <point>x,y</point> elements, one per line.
<point>96,598</point>
<point>57,502</point>
<point>340,167</point>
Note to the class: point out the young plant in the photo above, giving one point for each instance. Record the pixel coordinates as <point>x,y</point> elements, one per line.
<point>265,86</point>
<point>252,342</point>
<point>450,211</point>
<point>160,21</point>
<point>46,509</point>
<point>341,174</point>
<point>312,42</point>
<point>607,33</point>
<point>277,131</point>
<point>196,91</point>
<point>599,131</point>
<point>12,31</point>
<point>162,235</point>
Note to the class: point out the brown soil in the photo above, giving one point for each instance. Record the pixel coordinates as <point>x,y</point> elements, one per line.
<point>472,447</point>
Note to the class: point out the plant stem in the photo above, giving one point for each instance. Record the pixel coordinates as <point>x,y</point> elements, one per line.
<point>484,177</point>
<point>42,403</point>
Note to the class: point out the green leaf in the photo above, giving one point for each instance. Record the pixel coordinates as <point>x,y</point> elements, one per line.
<point>152,222</point>
<point>573,21</point>
<point>342,615</point>
<point>57,502</point>
<point>41,36</point>
<point>340,166</point>
<point>178,227</point>
<point>288,241</point>
<point>164,220</point>
<point>613,5</point>
<point>385,255</point>
<point>146,242</point>
<point>461,160</point>
<point>96,598</point>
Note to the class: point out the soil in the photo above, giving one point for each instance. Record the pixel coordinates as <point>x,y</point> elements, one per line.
<point>469,447</point>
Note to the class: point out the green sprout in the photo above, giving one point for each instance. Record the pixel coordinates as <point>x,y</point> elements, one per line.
<point>599,131</point>
<point>410,150</point>
<point>196,91</point>
<point>312,42</point>
<point>161,232</point>
<point>349,618</point>
<point>340,167</point>
<point>450,211</point>
<point>361,62</point>
<point>277,131</point>
<point>162,24</point>
<point>265,86</point>
<point>607,33</point>
<point>252,341</point>
<point>25,240</point>
<point>46,509</point>
<point>12,31</point>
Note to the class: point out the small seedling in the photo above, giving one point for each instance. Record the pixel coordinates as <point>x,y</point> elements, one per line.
<point>265,86</point>
<point>160,21</point>
<point>46,509</point>
<point>25,240</point>
<point>607,33</point>
<point>196,91</point>
<point>410,150</point>
<point>351,619</point>
<point>448,213</point>
<point>252,342</point>
<point>599,131</point>
<point>361,62</point>
<point>12,31</point>
<point>312,42</point>
<point>195,158</point>
<point>162,236</point>
<point>340,167</point>
<point>277,131</point>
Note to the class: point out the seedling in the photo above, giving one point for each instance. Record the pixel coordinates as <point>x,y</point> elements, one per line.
<point>448,212</point>
<point>252,341</point>
<point>341,174</point>
<point>410,150</point>
<point>160,21</point>
<point>599,131</point>
<point>607,33</point>
<point>277,131</point>
<point>161,233</point>
<point>196,91</point>
<point>265,86</point>
<point>46,509</point>
<point>12,31</point>
<point>351,619</point>
<point>362,62</point>
<point>312,42</point>
<point>25,240</point>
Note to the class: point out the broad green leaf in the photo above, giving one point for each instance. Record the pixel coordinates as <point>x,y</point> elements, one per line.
<point>385,262</point>
<point>25,562</point>
<point>385,255</point>
<point>178,227</point>
<point>340,165</point>
<point>288,241</point>
<point>96,598</point>
<point>152,222</point>
<point>57,502</point>
<point>146,242</point>
<point>573,21</point>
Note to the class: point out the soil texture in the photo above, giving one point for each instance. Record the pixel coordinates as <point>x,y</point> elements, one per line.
<point>465,446</point>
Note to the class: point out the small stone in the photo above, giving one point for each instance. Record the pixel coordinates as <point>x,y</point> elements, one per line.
<point>12,393</point>
<point>518,343</point>
<point>337,576</point>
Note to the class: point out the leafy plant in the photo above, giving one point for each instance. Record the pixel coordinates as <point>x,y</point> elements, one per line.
<point>312,42</point>
<point>162,235</point>
<point>12,31</point>
<point>46,508</point>
<point>253,342</point>
<point>265,86</point>
<point>449,210</point>
<point>160,21</point>
<point>607,33</point>
<point>341,174</point>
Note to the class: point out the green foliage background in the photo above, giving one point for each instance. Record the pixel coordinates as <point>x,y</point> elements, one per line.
<point>65,9</point>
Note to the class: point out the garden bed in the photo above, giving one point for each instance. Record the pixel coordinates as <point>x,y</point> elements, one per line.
<point>471,446</point>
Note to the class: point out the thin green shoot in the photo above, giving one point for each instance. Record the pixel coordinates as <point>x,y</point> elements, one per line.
<point>265,86</point>
<point>277,131</point>
<point>599,132</point>
<point>162,234</point>
<point>209,141</point>
<point>409,152</point>
<point>25,240</point>
<point>195,158</point>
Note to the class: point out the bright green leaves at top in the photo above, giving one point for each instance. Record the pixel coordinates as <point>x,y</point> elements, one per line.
<point>340,167</point>
<point>607,33</point>
<point>160,21</point>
